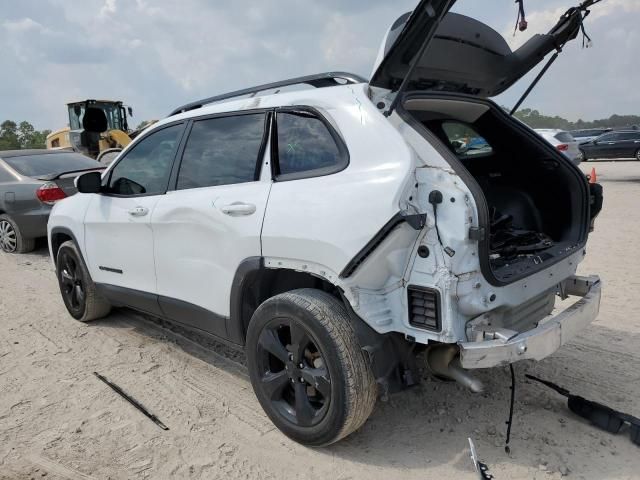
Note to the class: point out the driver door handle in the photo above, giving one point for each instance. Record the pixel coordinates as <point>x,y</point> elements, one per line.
<point>238,208</point>
<point>138,211</point>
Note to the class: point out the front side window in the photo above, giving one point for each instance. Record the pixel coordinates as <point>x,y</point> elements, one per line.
<point>464,140</point>
<point>222,151</point>
<point>608,137</point>
<point>305,144</point>
<point>145,169</point>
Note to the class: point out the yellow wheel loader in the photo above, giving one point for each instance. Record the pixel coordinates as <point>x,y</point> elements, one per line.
<point>97,128</point>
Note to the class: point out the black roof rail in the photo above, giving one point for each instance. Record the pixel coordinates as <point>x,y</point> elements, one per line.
<point>319,80</point>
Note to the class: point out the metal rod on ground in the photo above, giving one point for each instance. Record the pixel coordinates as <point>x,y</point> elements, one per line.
<point>513,398</point>
<point>132,401</point>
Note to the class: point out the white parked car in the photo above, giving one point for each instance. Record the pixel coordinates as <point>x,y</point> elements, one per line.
<point>563,141</point>
<point>341,233</point>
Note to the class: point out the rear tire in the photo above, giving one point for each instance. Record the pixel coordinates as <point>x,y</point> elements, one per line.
<point>307,368</point>
<point>11,238</point>
<point>78,291</point>
<point>638,155</point>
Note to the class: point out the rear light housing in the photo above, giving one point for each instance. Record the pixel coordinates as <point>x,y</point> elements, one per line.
<point>563,147</point>
<point>49,193</point>
<point>424,308</point>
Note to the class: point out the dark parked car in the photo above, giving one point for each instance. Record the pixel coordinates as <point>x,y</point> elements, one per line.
<point>613,145</point>
<point>31,181</point>
<point>587,134</point>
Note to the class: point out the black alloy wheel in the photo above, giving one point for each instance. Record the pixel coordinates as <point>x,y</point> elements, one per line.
<point>293,373</point>
<point>79,293</point>
<point>307,368</point>
<point>72,283</point>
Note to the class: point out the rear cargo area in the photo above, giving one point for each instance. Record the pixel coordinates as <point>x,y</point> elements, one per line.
<point>533,201</point>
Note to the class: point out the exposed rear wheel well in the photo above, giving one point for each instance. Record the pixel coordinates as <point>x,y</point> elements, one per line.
<point>264,283</point>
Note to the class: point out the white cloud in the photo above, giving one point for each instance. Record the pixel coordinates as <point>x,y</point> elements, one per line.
<point>109,8</point>
<point>157,54</point>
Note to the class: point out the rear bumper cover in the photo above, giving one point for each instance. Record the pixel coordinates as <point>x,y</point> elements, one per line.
<point>543,340</point>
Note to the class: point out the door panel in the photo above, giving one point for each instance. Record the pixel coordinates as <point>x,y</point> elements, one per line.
<point>201,237</point>
<point>205,228</point>
<point>119,241</point>
<point>118,233</point>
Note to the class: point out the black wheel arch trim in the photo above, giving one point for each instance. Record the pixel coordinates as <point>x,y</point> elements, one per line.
<point>235,327</point>
<point>66,231</point>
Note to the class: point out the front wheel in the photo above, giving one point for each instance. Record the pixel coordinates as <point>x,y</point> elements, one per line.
<point>638,154</point>
<point>584,156</point>
<point>307,368</point>
<point>78,291</point>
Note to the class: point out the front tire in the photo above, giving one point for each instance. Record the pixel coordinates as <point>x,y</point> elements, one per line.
<point>78,291</point>
<point>584,156</point>
<point>307,368</point>
<point>11,238</point>
<point>638,155</point>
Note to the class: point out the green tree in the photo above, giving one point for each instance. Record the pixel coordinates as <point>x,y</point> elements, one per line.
<point>9,136</point>
<point>23,135</point>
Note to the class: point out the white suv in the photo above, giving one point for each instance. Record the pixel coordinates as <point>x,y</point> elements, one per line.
<point>337,232</point>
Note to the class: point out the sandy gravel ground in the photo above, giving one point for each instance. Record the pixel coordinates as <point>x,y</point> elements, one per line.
<point>59,422</point>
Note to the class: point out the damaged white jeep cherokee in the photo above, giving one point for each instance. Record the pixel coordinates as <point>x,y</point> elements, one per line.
<point>336,232</point>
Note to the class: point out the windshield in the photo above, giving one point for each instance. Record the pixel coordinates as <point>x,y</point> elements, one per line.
<point>51,163</point>
<point>112,111</point>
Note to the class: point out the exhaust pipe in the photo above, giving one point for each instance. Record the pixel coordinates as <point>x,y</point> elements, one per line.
<point>444,360</point>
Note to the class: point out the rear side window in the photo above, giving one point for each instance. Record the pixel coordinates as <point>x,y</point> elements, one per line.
<point>564,137</point>
<point>630,136</point>
<point>306,146</point>
<point>465,141</point>
<point>145,169</point>
<point>222,151</point>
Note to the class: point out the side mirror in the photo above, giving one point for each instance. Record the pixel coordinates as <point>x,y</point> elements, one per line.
<point>89,182</point>
<point>130,110</point>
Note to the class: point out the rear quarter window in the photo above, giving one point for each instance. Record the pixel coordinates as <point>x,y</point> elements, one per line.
<point>307,147</point>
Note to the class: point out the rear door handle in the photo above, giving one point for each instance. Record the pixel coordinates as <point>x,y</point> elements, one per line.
<point>138,211</point>
<point>238,208</point>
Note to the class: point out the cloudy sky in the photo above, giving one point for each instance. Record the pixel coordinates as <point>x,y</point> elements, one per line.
<point>158,54</point>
